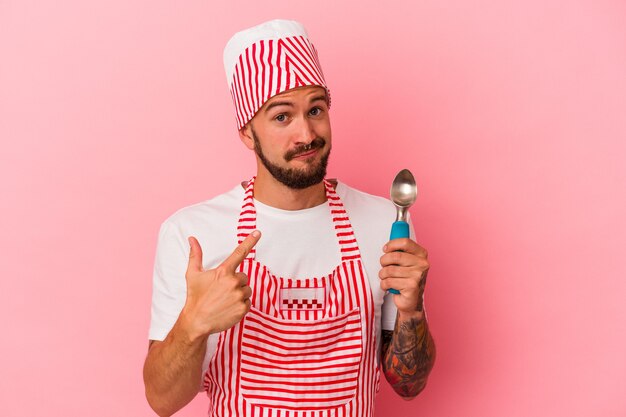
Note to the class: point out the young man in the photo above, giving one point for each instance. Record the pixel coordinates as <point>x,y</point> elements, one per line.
<point>294,323</point>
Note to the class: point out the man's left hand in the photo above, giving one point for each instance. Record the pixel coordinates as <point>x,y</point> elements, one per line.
<point>404,268</point>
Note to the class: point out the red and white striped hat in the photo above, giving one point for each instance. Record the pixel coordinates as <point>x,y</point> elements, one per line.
<point>267,60</point>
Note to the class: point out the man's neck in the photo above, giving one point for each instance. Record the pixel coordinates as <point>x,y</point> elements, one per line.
<point>273,193</point>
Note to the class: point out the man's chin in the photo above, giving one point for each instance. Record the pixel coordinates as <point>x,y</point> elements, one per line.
<point>301,178</point>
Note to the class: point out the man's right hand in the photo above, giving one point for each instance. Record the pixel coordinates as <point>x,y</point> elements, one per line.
<point>217,299</point>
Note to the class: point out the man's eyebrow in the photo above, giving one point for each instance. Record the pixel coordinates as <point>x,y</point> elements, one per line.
<point>321,97</point>
<point>277,103</point>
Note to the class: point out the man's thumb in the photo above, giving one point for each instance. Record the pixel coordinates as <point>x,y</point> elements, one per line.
<point>195,255</point>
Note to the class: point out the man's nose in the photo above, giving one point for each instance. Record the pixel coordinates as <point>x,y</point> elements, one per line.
<point>306,131</point>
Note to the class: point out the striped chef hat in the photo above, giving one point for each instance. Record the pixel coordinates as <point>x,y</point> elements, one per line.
<point>266,60</point>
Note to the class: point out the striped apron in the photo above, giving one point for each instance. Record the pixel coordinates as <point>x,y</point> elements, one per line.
<point>307,347</point>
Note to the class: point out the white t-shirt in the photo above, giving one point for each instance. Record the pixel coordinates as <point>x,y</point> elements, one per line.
<point>299,243</point>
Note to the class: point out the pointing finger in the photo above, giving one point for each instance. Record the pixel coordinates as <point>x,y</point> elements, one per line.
<point>239,254</point>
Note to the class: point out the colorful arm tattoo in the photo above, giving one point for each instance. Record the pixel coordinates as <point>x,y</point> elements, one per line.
<point>408,355</point>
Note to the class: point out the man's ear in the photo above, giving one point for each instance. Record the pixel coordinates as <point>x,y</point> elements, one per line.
<point>245,135</point>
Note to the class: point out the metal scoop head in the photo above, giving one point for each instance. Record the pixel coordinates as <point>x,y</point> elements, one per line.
<point>403,193</point>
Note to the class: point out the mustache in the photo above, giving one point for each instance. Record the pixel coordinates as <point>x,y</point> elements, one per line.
<point>316,143</point>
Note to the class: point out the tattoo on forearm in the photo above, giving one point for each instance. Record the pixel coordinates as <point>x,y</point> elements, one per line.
<point>408,356</point>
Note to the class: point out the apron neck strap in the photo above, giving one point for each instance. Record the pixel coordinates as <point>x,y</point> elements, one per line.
<point>343,227</point>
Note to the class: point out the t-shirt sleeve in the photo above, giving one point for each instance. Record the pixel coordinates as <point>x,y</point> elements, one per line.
<point>169,289</point>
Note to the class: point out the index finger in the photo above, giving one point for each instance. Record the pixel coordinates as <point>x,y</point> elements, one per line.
<point>405,245</point>
<point>239,254</point>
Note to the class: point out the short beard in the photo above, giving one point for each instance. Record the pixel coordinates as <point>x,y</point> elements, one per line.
<point>291,177</point>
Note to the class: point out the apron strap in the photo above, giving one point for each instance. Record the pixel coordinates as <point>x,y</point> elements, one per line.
<point>343,227</point>
<point>247,217</point>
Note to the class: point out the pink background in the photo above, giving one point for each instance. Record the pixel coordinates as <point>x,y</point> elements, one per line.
<point>511,114</point>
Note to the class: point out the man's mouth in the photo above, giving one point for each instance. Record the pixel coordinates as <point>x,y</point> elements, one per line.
<point>306,154</point>
<point>306,151</point>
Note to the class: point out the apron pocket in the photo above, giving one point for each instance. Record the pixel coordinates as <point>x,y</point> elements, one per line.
<point>300,365</point>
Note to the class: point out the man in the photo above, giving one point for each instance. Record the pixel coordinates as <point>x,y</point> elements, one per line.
<point>289,324</point>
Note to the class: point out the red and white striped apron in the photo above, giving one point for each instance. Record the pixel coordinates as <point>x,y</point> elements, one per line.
<point>307,347</point>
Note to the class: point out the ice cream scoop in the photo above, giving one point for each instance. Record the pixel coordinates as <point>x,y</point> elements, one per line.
<point>403,194</point>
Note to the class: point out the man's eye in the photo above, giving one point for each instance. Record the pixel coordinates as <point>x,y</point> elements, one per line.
<point>281,118</point>
<point>315,111</point>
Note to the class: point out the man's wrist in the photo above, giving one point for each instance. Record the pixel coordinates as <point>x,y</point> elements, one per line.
<point>411,315</point>
<point>187,332</point>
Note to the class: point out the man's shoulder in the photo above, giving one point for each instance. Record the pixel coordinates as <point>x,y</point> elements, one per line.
<point>356,199</point>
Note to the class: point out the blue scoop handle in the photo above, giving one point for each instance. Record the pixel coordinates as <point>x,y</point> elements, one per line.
<point>399,229</point>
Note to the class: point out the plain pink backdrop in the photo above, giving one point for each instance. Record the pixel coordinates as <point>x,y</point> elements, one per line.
<point>511,115</point>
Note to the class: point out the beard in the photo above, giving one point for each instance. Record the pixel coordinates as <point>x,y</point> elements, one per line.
<point>292,177</point>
